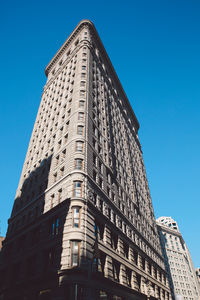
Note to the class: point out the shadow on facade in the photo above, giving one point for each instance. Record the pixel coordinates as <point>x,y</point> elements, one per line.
<point>31,253</point>
<point>164,241</point>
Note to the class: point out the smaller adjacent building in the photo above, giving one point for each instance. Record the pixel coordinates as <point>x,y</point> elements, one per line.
<point>179,266</point>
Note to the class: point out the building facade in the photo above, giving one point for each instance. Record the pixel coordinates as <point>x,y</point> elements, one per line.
<point>82,224</point>
<point>179,266</point>
<point>198,274</point>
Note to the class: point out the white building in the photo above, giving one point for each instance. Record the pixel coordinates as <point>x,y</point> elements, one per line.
<point>181,273</point>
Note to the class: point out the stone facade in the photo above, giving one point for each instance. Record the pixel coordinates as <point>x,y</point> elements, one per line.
<point>82,225</point>
<point>179,266</point>
<point>198,274</point>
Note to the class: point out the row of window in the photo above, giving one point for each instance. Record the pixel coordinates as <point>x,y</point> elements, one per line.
<point>123,177</point>
<point>81,104</point>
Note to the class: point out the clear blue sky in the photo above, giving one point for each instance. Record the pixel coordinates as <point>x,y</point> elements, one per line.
<point>155,49</point>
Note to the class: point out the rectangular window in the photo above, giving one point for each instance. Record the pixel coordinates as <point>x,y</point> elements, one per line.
<point>94,159</point>
<point>54,177</point>
<point>80,130</point>
<point>82,93</point>
<point>79,146</point>
<point>77,189</point>
<point>78,164</point>
<point>99,230</point>
<point>114,240</point>
<point>128,277</point>
<point>94,175</point>
<point>80,116</point>
<point>75,245</point>
<point>116,270</point>
<point>81,103</point>
<point>101,167</point>
<point>66,138</point>
<point>76,216</point>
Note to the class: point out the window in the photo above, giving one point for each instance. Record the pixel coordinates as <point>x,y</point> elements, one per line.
<point>128,277</point>
<point>82,93</point>
<point>75,245</point>
<point>94,175</point>
<point>78,164</point>
<point>81,103</point>
<point>100,182</point>
<point>76,217</point>
<point>66,137</point>
<point>80,116</point>
<point>114,240</point>
<point>52,200</point>
<point>79,146</point>
<point>116,269</point>
<point>99,230</point>
<point>55,177</point>
<point>126,249</point>
<point>100,167</point>
<point>76,43</point>
<point>54,226</point>
<point>94,159</point>
<point>80,130</point>
<point>77,189</point>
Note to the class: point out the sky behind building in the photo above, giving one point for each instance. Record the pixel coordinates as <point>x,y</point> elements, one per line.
<point>154,47</point>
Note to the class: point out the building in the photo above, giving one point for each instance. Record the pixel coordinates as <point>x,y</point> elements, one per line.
<point>198,274</point>
<point>179,266</point>
<point>1,240</point>
<point>82,224</point>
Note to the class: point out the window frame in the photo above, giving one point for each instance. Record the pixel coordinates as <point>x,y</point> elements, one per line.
<point>73,254</point>
<point>75,164</point>
<point>79,216</point>
<point>81,103</point>
<point>74,188</point>
<point>82,146</point>
<point>80,116</point>
<point>82,130</point>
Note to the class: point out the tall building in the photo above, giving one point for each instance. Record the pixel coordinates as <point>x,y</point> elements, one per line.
<point>179,266</point>
<point>82,224</point>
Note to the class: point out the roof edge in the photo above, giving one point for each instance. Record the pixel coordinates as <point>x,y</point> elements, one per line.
<point>64,45</point>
